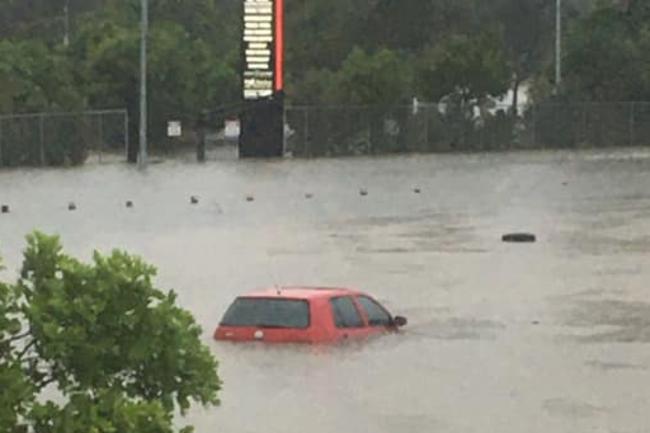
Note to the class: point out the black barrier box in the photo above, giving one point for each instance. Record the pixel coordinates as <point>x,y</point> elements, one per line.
<point>262,129</point>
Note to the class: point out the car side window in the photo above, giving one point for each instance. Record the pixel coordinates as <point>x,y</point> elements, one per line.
<point>377,315</point>
<point>345,313</point>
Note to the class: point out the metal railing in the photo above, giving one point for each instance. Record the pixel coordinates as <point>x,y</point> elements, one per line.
<point>53,139</point>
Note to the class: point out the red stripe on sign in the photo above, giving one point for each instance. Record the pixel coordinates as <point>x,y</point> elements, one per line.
<point>279,45</point>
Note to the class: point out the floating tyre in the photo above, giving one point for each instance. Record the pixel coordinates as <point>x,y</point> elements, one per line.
<point>4,208</point>
<point>194,200</point>
<point>519,238</point>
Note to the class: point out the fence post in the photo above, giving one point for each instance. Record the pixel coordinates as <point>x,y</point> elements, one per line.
<point>306,143</point>
<point>426,113</point>
<point>41,122</point>
<point>371,145</point>
<point>1,159</point>
<point>200,149</point>
<point>585,124</point>
<point>101,135</point>
<point>284,130</point>
<point>126,134</point>
<point>534,127</point>
<point>632,123</point>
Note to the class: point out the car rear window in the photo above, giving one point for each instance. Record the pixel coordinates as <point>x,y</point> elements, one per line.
<point>267,313</point>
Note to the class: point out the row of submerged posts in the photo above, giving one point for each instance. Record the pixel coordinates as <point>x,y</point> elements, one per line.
<point>520,237</point>
<point>195,200</point>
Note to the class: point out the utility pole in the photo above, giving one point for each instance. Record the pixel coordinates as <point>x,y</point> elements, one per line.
<point>558,44</point>
<point>142,158</point>
<point>66,23</point>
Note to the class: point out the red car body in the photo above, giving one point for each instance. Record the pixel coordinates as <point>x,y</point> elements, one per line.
<point>305,315</point>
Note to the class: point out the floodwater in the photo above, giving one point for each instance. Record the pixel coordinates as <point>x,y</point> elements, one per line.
<point>538,338</point>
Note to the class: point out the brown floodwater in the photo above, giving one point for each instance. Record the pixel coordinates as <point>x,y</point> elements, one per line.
<point>536,338</point>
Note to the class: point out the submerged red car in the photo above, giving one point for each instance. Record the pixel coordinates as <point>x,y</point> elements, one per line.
<point>305,315</point>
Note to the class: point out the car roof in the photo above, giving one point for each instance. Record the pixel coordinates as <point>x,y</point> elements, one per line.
<point>301,292</point>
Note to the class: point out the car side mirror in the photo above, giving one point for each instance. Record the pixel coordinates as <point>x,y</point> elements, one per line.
<point>399,321</point>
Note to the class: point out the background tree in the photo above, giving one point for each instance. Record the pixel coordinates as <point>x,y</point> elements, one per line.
<point>472,67</point>
<point>527,37</point>
<point>381,78</point>
<point>338,52</point>
<point>35,78</point>
<point>122,354</point>
<point>608,55</point>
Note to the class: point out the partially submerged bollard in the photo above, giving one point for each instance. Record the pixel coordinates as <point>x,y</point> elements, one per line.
<point>194,200</point>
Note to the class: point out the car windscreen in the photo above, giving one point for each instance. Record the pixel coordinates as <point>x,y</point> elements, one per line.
<point>267,313</point>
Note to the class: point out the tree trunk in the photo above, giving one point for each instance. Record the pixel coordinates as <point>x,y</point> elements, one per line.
<point>515,95</point>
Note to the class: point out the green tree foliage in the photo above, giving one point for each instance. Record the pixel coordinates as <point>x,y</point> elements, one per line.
<point>527,41</point>
<point>17,390</point>
<point>35,78</point>
<point>608,55</point>
<point>472,67</point>
<point>122,354</point>
<point>337,52</point>
<point>190,67</point>
<point>381,78</point>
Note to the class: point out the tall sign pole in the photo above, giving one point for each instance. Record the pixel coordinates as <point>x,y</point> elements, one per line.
<point>142,157</point>
<point>558,44</point>
<point>262,122</point>
<point>279,46</point>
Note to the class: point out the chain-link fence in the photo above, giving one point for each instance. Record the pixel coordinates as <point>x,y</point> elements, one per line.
<point>344,130</point>
<point>53,139</point>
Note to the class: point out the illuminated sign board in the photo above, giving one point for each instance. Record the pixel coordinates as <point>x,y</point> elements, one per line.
<point>263,46</point>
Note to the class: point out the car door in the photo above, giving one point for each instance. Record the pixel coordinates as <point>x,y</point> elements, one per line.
<point>348,321</point>
<point>376,316</point>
